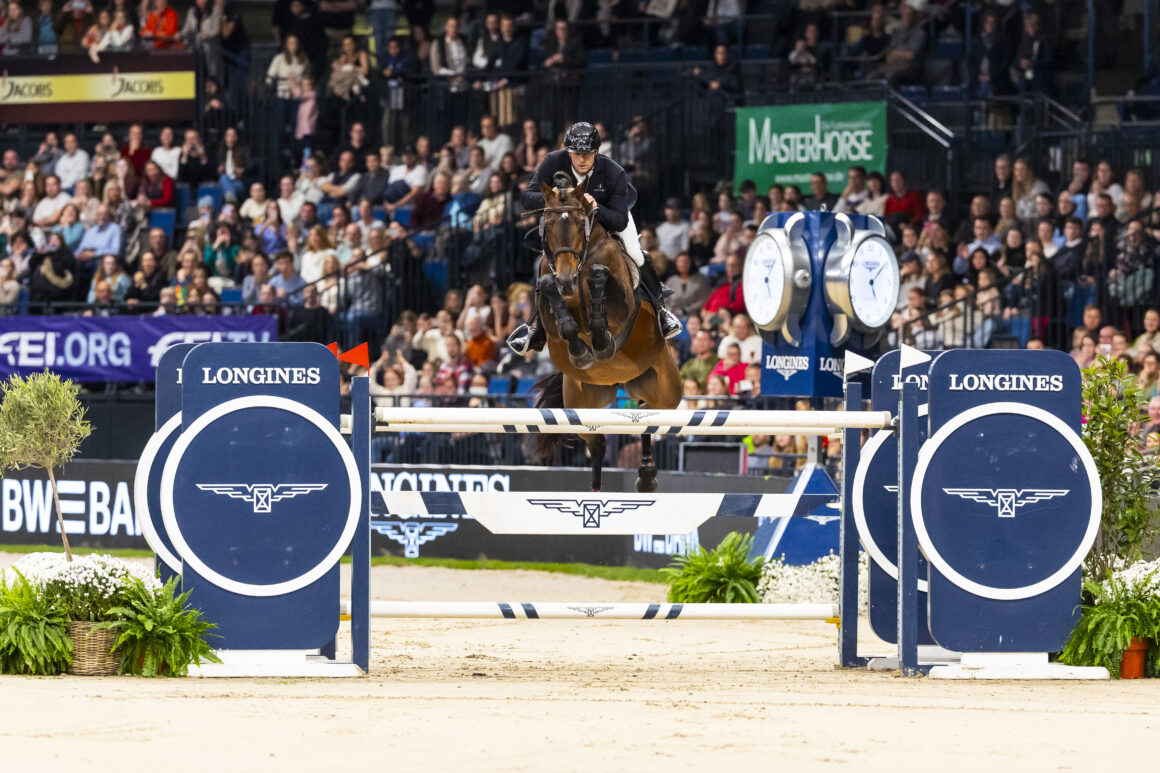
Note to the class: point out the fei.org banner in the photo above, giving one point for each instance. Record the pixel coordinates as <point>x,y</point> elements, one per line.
<point>114,348</point>
<point>786,144</point>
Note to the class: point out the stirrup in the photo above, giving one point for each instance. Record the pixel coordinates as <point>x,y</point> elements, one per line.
<point>524,339</point>
<point>671,326</point>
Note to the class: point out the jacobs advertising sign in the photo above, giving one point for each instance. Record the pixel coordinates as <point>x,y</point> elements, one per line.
<point>127,87</point>
<point>160,86</point>
<point>786,144</point>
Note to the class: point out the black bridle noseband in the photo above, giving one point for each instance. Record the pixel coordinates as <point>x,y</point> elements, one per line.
<point>582,253</point>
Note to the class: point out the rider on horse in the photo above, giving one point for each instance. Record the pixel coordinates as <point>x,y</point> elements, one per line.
<point>611,195</point>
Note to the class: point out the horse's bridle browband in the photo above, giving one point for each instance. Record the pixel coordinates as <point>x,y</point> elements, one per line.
<point>582,254</point>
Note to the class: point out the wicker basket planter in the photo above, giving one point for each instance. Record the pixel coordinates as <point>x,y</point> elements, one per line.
<point>92,650</point>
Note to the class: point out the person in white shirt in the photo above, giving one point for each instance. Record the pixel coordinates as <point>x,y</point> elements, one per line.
<point>742,334</point>
<point>855,192</point>
<point>487,38</point>
<point>314,254</point>
<point>494,144</point>
<point>342,181</point>
<point>118,37</point>
<point>167,155</point>
<point>254,208</point>
<point>876,195</point>
<point>310,182</point>
<point>407,180</point>
<point>287,68</point>
<point>73,164</point>
<point>47,212</point>
<point>289,200</point>
<point>449,53</point>
<point>1104,182</point>
<point>673,234</point>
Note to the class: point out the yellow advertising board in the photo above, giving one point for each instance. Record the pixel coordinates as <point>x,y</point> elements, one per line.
<point>97,87</point>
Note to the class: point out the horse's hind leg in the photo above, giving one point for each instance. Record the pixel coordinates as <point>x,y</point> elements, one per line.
<point>602,342</point>
<point>658,387</point>
<point>597,445</point>
<point>646,474</point>
<point>579,353</point>
<point>578,395</point>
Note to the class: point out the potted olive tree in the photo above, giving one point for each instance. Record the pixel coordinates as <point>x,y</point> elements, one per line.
<point>41,425</point>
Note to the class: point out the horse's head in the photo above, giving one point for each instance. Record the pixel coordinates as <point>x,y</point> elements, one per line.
<point>565,227</point>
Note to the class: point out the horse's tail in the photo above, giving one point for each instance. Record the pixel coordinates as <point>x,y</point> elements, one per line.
<point>549,394</point>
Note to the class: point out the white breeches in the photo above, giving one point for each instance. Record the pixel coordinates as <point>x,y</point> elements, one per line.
<point>631,241</point>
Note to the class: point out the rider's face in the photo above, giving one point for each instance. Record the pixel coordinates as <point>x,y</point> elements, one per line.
<point>582,162</point>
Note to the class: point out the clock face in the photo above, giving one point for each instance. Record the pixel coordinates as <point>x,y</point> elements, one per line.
<point>874,282</point>
<point>763,281</point>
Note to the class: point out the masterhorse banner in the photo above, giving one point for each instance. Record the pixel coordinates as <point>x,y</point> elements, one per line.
<point>785,144</point>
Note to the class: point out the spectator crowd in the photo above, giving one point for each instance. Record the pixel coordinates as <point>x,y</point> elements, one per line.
<point>175,220</point>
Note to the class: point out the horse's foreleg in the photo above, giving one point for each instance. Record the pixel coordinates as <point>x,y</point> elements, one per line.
<point>578,352</point>
<point>602,341</point>
<point>646,474</point>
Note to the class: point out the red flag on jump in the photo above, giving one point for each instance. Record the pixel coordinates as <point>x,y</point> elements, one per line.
<point>333,348</point>
<point>360,355</point>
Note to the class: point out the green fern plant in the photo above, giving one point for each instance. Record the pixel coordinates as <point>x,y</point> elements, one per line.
<point>1118,611</point>
<point>724,574</point>
<point>157,633</point>
<point>33,631</point>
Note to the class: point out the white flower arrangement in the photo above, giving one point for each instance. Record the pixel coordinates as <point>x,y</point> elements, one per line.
<point>34,566</point>
<point>88,586</point>
<point>1144,576</point>
<point>819,582</point>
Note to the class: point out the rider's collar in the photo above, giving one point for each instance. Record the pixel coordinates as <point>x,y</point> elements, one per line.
<point>582,177</point>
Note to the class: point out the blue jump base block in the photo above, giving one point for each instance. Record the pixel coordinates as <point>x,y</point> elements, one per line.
<point>252,495</point>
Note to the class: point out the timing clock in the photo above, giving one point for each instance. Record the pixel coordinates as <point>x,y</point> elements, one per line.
<point>861,280</point>
<point>776,279</point>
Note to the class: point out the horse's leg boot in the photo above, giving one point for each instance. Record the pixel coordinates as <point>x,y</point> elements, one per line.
<point>579,353</point>
<point>602,341</point>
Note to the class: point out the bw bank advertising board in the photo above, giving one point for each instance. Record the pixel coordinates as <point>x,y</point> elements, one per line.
<point>97,502</point>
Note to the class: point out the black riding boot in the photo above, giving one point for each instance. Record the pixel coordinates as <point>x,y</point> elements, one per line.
<point>670,325</point>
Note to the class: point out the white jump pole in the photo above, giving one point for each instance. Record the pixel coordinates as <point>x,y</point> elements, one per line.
<point>570,429</point>
<point>637,420</point>
<point>542,610</point>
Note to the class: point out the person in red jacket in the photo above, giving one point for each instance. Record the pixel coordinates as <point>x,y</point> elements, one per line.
<point>732,368</point>
<point>157,186</point>
<point>902,205</point>
<point>161,25</point>
<point>728,294</point>
<point>136,150</point>
<point>429,206</point>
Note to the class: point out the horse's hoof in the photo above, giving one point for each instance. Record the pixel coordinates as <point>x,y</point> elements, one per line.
<point>646,485</point>
<point>582,359</point>
<point>603,347</point>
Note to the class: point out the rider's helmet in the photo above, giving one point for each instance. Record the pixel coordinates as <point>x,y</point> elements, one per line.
<point>581,138</point>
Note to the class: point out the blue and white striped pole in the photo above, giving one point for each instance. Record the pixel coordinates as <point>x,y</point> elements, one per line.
<point>555,610</point>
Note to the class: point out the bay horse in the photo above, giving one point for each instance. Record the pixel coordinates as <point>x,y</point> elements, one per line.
<point>599,335</point>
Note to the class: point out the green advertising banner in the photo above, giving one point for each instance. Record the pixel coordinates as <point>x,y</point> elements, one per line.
<point>787,143</point>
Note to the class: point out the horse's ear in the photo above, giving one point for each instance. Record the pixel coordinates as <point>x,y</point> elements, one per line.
<point>580,190</point>
<point>546,190</point>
